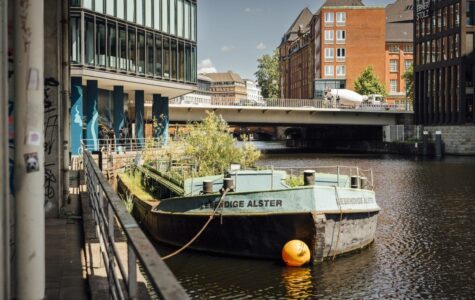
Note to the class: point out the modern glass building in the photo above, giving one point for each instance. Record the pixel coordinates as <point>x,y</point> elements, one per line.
<point>129,57</point>
<point>444,62</point>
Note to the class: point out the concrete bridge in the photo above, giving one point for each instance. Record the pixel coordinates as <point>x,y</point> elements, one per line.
<point>288,112</point>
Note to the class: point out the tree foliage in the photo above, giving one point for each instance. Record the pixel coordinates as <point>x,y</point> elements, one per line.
<point>210,145</point>
<point>368,83</point>
<point>408,76</point>
<point>268,75</point>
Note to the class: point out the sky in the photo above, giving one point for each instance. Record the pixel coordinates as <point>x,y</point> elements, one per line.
<point>233,34</point>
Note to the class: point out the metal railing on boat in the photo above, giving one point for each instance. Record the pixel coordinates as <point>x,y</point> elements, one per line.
<point>107,209</point>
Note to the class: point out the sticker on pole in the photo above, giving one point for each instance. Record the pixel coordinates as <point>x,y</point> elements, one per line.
<point>31,162</point>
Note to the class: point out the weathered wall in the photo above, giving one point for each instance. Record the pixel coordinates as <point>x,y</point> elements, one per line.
<point>52,107</point>
<point>459,140</point>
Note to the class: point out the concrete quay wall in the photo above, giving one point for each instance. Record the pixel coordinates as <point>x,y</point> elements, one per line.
<point>457,139</point>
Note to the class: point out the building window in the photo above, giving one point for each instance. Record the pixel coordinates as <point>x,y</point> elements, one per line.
<point>99,6</point>
<point>120,9</point>
<point>148,13</point>
<point>75,39</point>
<point>340,70</point>
<point>188,62</point>
<point>329,35</point>
<point>110,9</point>
<point>100,43</point>
<point>87,4</point>
<point>158,55</point>
<point>329,53</point>
<point>407,63</point>
<point>393,48</point>
<point>340,36</point>
<point>130,10</point>
<point>179,17</point>
<point>393,86</point>
<point>141,52</point>
<point>340,54</point>
<point>132,51</point>
<point>193,22</point>
<point>164,15</point>
<point>112,46</point>
<point>173,17</point>
<point>393,65</point>
<point>122,48</point>
<point>156,15</point>
<point>187,20</point>
<point>181,61</point>
<point>408,48</point>
<point>340,17</point>
<point>150,56</point>
<point>329,17</point>
<point>139,18</point>
<point>329,70</point>
<point>89,41</point>
<point>166,57</point>
<point>469,19</point>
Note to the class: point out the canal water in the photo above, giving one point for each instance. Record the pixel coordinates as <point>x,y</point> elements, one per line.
<point>424,247</point>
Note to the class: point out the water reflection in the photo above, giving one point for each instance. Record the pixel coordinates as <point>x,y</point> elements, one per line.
<point>423,247</point>
<point>298,282</point>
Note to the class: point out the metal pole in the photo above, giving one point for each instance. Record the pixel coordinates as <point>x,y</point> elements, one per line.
<point>65,100</point>
<point>4,163</point>
<point>29,151</point>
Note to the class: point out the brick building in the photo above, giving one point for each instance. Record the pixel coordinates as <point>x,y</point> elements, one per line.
<point>329,49</point>
<point>399,47</point>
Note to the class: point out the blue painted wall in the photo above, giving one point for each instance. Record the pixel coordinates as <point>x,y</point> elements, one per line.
<point>118,97</point>
<point>76,115</point>
<point>92,115</point>
<point>139,116</point>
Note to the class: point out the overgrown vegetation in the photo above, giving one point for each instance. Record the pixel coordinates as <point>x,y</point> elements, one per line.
<point>294,181</point>
<point>134,182</point>
<point>268,75</point>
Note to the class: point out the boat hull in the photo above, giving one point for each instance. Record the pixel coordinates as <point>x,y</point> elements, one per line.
<point>262,235</point>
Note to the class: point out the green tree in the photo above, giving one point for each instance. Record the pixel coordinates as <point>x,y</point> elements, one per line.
<point>268,75</point>
<point>368,83</point>
<point>408,76</point>
<point>210,145</point>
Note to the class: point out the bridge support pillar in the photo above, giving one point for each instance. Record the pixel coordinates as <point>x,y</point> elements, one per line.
<point>160,114</point>
<point>75,123</point>
<point>118,96</point>
<point>92,115</point>
<point>139,117</point>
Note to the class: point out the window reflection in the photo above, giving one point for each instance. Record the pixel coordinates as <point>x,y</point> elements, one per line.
<point>166,57</point>
<point>89,41</point>
<point>158,55</point>
<point>75,39</point>
<point>122,48</point>
<point>141,52</point>
<point>132,50</point>
<point>100,43</point>
<point>112,45</point>
<point>174,61</point>
<point>181,62</point>
<point>150,48</point>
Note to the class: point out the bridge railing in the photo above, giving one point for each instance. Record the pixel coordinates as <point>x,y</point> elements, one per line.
<point>307,104</point>
<point>107,209</point>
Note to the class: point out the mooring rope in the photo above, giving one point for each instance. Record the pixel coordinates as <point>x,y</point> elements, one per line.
<point>339,224</point>
<point>201,230</point>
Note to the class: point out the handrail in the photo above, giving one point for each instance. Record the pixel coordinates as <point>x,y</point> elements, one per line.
<point>307,104</point>
<point>139,247</point>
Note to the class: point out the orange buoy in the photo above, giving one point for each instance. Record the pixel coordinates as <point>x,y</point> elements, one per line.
<point>295,253</point>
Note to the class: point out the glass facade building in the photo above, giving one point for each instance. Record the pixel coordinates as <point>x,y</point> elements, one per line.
<point>148,38</point>
<point>444,62</point>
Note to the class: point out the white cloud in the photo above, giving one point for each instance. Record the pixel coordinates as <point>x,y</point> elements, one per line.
<point>261,46</point>
<point>226,48</point>
<point>248,9</point>
<point>206,66</point>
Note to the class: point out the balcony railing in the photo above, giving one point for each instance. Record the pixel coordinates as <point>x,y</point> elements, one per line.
<point>107,209</point>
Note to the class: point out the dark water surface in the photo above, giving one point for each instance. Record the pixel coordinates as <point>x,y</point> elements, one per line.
<point>424,247</point>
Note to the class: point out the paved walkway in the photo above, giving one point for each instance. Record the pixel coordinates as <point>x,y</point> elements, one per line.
<point>65,259</point>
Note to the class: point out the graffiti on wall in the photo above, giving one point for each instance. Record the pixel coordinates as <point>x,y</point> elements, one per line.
<point>51,141</point>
